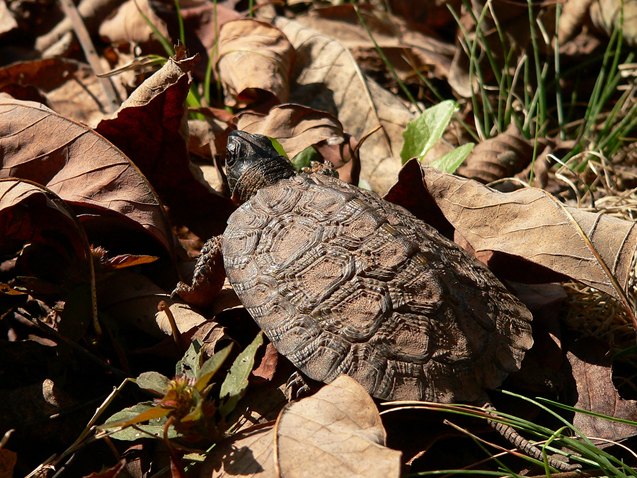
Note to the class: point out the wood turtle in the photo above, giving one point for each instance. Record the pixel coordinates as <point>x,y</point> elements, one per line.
<point>344,282</point>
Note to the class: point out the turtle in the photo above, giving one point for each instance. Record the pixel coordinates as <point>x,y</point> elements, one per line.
<point>342,281</point>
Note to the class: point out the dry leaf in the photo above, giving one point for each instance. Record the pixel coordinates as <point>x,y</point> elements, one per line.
<point>592,372</point>
<point>295,126</point>
<point>127,24</point>
<point>498,157</point>
<point>334,433</point>
<point>44,234</point>
<point>68,87</point>
<point>607,15</point>
<point>158,148</point>
<point>247,455</point>
<point>329,79</point>
<point>78,165</point>
<point>529,223</point>
<point>254,57</point>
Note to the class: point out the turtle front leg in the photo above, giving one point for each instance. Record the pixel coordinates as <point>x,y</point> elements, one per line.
<point>207,278</point>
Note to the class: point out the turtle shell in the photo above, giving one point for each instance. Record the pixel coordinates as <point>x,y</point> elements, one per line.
<point>343,282</point>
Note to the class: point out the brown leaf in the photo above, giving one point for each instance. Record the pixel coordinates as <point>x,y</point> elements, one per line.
<point>295,126</point>
<point>498,157</point>
<point>68,87</point>
<point>78,165</point>
<point>56,247</point>
<point>254,57</point>
<point>329,79</point>
<point>267,367</point>
<point>336,432</point>
<point>147,128</point>
<point>592,372</point>
<point>529,223</point>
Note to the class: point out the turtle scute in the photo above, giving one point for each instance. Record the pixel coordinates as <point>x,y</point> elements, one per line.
<point>342,281</point>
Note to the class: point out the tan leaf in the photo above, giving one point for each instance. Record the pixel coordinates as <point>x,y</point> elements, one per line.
<point>248,455</point>
<point>334,433</point>
<point>529,223</point>
<point>254,57</point>
<point>607,15</point>
<point>78,165</point>
<point>329,79</point>
<point>127,24</point>
<point>592,372</point>
<point>295,126</point>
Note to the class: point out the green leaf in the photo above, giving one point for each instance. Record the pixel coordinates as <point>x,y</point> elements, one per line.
<point>453,159</point>
<point>236,382</point>
<point>190,363</point>
<point>279,149</point>
<point>153,381</point>
<point>210,367</point>
<point>423,132</point>
<point>145,411</point>
<point>305,158</point>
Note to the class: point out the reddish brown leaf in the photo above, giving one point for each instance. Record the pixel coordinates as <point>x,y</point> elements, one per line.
<point>77,164</point>
<point>147,128</point>
<point>591,367</point>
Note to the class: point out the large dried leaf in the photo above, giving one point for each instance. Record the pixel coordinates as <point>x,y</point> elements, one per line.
<point>329,79</point>
<point>608,15</point>
<point>254,56</point>
<point>336,432</point>
<point>78,165</point>
<point>529,223</point>
<point>595,392</point>
<point>295,126</point>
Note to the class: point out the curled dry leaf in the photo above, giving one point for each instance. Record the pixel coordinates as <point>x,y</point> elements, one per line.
<point>594,391</point>
<point>295,126</point>
<point>254,57</point>
<point>68,87</point>
<point>158,148</point>
<point>336,432</point>
<point>78,165</point>
<point>498,157</point>
<point>329,79</point>
<point>30,214</point>
<point>592,248</point>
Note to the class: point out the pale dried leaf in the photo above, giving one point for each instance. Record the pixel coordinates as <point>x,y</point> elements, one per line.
<point>336,432</point>
<point>607,15</point>
<point>573,16</point>
<point>529,223</point>
<point>254,56</point>
<point>592,373</point>
<point>329,79</point>
<point>127,23</point>
<point>248,455</point>
<point>295,126</point>
<point>77,164</point>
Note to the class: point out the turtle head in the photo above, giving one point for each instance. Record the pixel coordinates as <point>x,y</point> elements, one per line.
<point>252,163</point>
